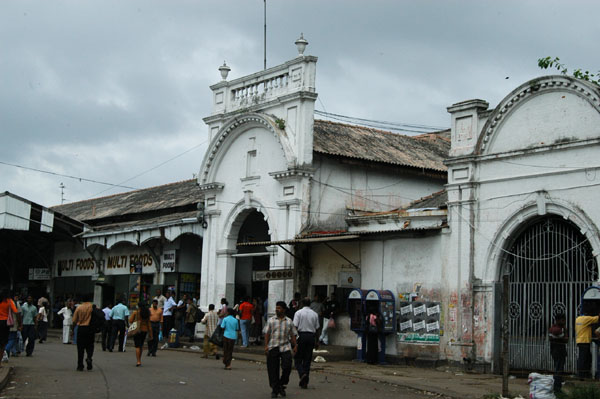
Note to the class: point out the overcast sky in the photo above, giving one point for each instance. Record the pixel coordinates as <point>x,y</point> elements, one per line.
<point>107,90</point>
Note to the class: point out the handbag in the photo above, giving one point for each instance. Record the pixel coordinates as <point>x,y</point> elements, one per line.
<point>134,327</point>
<point>10,320</point>
<point>331,323</point>
<point>217,336</point>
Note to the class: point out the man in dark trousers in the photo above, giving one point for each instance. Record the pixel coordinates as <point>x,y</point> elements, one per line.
<point>280,341</point>
<point>120,316</point>
<point>85,334</point>
<point>306,321</point>
<point>583,338</point>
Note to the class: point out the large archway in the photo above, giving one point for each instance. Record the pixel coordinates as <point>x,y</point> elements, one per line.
<point>550,263</point>
<point>249,260</point>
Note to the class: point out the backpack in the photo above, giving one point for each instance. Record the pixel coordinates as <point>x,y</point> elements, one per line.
<point>98,320</point>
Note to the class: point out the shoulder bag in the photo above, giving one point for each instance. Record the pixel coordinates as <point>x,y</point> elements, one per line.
<point>10,320</point>
<point>134,327</point>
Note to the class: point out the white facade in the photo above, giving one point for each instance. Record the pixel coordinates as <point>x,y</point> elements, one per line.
<point>535,154</point>
<point>261,158</point>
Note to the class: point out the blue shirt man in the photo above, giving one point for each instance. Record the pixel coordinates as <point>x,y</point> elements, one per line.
<point>119,312</point>
<point>231,326</point>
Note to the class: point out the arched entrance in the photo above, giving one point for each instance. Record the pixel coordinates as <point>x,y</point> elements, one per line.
<point>251,259</point>
<point>549,263</point>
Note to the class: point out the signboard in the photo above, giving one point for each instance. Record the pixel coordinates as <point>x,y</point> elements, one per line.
<point>39,274</point>
<point>266,275</point>
<point>349,279</point>
<point>116,262</point>
<point>169,260</point>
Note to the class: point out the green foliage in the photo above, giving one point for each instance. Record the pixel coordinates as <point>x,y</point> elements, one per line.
<point>549,62</point>
<point>280,123</point>
<point>589,391</point>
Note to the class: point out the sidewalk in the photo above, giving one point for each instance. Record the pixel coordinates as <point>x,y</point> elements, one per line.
<point>446,382</point>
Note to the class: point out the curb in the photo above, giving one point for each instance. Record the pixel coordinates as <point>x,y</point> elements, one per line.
<point>5,373</point>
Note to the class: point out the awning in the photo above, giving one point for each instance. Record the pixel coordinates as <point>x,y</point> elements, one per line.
<point>305,240</point>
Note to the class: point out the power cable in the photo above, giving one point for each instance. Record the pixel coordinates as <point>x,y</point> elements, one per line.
<point>153,168</point>
<point>410,127</point>
<point>67,176</point>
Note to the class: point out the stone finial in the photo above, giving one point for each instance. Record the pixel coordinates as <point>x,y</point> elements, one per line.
<point>224,69</point>
<point>301,44</point>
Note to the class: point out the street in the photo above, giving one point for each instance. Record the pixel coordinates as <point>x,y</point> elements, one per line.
<point>50,373</point>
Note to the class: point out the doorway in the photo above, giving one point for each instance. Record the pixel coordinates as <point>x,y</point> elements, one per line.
<point>550,263</point>
<point>252,258</point>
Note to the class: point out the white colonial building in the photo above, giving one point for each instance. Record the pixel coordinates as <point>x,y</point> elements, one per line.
<point>293,204</point>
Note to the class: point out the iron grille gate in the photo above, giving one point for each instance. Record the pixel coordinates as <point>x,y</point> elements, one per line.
<point>550,264</point>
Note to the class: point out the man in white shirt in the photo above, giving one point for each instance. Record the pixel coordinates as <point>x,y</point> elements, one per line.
<point>67,314</point>
<point>160,298</point>
<point>168,314</point>
<point>306,321</point>
<point>106,330</point>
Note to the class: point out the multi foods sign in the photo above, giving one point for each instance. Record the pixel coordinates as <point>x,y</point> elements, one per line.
<point>78,264</point>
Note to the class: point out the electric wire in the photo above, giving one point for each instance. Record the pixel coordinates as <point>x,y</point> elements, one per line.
<point>153,168</point>
<point>120,185</point>
<point>397,126</point>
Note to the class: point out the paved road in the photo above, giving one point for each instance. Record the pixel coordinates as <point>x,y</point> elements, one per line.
<point>50,373</point>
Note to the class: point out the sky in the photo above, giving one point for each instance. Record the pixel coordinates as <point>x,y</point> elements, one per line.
<point>115,91</point>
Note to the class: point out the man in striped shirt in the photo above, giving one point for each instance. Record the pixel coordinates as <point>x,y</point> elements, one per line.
<point>280,341</point>
<point>210,319</point>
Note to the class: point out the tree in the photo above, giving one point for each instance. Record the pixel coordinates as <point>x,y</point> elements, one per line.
<point>549,62</point>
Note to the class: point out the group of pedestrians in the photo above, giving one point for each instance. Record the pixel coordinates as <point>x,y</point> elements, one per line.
<point>21,324</point>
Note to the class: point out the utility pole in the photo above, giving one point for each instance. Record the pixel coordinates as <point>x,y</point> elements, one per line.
<point>62,193</point>
<point>505,348</point>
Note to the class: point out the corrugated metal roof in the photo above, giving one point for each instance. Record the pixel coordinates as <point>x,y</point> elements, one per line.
<point>172,195</point>
<point>426,151</point>
<point>436,200</point>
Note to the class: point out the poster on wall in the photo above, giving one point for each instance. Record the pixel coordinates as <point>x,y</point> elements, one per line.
<point>419,323</point>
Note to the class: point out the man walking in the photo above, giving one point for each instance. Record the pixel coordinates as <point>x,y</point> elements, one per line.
<point>156,320</point>
<point>29,324</point>
<point>107,327</point>
<point>246,309</point>
<point>168,314</point>
<point>280,340</point>
<point>119,314</point>
<point>210,319</point>
<point>306,321</point>
<point>85,334</point>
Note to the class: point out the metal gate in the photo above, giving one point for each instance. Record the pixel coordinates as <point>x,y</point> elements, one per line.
<point>550,264</point>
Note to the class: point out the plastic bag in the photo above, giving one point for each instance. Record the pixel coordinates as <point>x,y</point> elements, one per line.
<point>160,336</point>
<point>541,386</point>
<point>217,336</point>
<point>331,324</point>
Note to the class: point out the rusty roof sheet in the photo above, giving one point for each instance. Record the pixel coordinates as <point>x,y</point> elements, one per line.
<point>156,198</point>
<point>426,151</point>
<point>436,200</point>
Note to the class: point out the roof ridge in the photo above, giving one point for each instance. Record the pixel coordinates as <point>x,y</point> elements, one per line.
<point>123,193</point>
<point>380,130</point>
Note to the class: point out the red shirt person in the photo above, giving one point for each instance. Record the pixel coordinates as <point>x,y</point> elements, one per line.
<point>246,310</point>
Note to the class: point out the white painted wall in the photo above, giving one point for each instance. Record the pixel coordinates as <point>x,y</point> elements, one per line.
<point>537,153</point>
<point>361,188</point>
